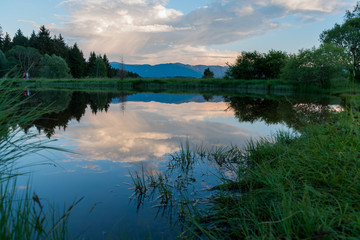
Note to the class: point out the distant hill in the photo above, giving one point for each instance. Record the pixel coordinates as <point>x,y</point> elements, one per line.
<point>171,70</point>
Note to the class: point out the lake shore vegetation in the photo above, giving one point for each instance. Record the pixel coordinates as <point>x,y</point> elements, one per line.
<point>23,214</point>
<point>298,187</point>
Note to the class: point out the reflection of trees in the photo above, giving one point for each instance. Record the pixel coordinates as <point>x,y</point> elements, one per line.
<point>295,113</point>
<point>68,106</point>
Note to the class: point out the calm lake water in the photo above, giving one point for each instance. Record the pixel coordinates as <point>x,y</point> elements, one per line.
<point>112,135</point>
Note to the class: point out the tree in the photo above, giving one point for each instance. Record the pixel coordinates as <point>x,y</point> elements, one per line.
<point>316,66</point>
<point>108,66</point>
<point>347,35</point>
<point>255,65</point>
<point>3,64</point>
<point>7,44</point>
<point>77,62</point>
<point>54,67</point>
<point>25,59</point>
<point>20,39</point>
<point>208,73</point>
<point>273,63</point>
<point>43,41</point>
<point>248,65</point>
<point>100,67</point>
<point>60,48</point>
<point>33,40</point>
<point>1,38</point>
<point>91,65</point>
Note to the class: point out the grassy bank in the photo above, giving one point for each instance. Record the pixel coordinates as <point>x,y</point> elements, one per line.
<point>293,187</point>
<point>183,84</point>
<point>256,86</point>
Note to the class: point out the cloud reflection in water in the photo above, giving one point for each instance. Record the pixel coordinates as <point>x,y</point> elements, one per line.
<point>148,131</point>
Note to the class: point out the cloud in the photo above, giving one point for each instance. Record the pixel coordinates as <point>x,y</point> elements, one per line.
<point>150,32</point>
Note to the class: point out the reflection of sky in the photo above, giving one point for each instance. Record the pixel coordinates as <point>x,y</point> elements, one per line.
<point>110,144</point>
<point>147,131</point>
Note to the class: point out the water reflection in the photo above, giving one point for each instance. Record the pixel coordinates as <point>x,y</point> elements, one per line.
<point>138,128</point>
<point>69,106</point>
<point>295,113</point>
<point>117,132</point>
<point>148,131</point>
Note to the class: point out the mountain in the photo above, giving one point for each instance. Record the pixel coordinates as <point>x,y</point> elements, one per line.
<point>171,70</point>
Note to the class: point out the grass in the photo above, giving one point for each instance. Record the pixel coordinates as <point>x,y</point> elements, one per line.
<point>157,84</point>
<point>22,215</point>
<point>339,85</point>
<point>292,187</point>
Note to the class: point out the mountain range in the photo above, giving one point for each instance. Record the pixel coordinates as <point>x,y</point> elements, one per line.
<point>168,70</point>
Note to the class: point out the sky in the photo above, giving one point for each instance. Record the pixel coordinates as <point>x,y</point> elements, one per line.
<point>209,32</point>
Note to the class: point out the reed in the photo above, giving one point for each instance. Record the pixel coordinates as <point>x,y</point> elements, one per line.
<point>291,187</point>
<point>23,215</point>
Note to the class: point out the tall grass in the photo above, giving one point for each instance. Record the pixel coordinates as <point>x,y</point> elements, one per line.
<point>298,187</point>
<point>22,216</point>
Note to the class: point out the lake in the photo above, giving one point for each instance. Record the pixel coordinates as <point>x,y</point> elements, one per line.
<point>110,136</point>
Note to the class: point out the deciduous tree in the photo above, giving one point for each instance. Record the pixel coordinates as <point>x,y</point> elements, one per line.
<point>347,35</point>
<point>54,67</point>
<point>25,59</point>
<point>316,66</point>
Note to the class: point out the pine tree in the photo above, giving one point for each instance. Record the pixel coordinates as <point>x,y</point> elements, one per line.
<point>77,62</point>
<point>100,67</point>
<point>60,48</point>
<point>20,39</point>
<point>91,65</point>
<point>44,42</point>
<point>33,40</point>
<point>7,45</point>
<point>108,66</point>
<point>1,38</point>
<point>208,73</point>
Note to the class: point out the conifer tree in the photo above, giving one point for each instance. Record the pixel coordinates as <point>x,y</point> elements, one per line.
<point>1,38</point>
<point>77,62</point>
<point>20,39</point>
<point>44,42</point>
<point>91,65</point>
<point>7,45</point>
<point>60,48</point>
<point>33,40</point>
<point>108,66</point>
<point>208,73</point>
<point>100,67</point>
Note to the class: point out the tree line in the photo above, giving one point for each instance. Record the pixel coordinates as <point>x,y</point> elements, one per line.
<point>337,58</point>
<point>41,55</point>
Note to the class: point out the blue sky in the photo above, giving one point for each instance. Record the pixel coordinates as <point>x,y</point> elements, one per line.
<point>209,32</point>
